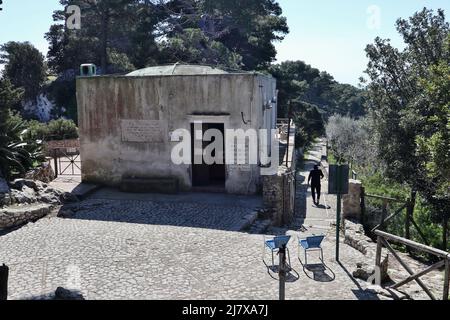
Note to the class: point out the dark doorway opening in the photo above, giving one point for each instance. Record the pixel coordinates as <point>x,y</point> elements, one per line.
<point>204,175</point>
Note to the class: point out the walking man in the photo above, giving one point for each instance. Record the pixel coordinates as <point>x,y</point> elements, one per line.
<point>315,177</point>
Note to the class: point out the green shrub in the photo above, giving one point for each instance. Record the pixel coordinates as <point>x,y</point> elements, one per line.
<point>378,185</point>
<point>18,153</point>
<point>60,129</point>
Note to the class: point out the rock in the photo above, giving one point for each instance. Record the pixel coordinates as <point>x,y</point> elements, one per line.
<point>5,199</point>
<point>45,173</point>
<point>29,192</point>
<point>65,213</point>
<point>389,293</point>
<point>354,226</point>
<point>4,188</point>
<point>18,197</point>
<point>355,237</point>
<point>53,191</point>
<point>64,294</point>
<point>41,186</point>
<point>363,271</point>
<point>19,184</point>
<point>68,197</point>
<point>48,198</point>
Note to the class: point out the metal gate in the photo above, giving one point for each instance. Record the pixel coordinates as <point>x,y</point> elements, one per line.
<point>66,161</point>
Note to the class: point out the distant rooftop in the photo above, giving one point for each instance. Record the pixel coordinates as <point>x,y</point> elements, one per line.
<point>176,69</point>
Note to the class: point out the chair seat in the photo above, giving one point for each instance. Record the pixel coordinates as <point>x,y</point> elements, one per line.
<point>271,244</point>
<point>311,242</point>
<point>304,244</point>
<point>277,242</point>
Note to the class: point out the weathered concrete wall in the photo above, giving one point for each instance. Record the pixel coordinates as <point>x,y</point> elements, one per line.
<point>174,101</point>
<point>279,195</point>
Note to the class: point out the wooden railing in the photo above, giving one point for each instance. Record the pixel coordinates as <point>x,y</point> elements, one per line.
<point>407,205</point>
<point>383,239</point>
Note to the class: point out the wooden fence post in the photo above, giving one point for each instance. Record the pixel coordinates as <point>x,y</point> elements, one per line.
<point>410,215</point>
<point>363,205</point>
<point>445,234</point>
<point>4,273</point>
<point>408,221</point>
<point>379,252</point>
<point>446,279</point>
<point>55,162</point>
<point>384,213</point>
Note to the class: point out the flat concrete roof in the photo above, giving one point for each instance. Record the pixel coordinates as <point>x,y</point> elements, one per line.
<point>177,69</point>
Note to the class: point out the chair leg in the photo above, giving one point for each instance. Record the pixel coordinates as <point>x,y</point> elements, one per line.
<point>289,257</point>
<point>306,258</point>
<point>321,253</point>
<point>273,260</point>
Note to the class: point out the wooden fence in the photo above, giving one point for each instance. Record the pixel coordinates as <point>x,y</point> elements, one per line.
<point>407,205</point>
<point>383,239</point>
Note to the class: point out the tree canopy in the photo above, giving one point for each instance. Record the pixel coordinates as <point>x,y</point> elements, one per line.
<point>24,67</point>
<point>409,98</point>
<point>235,34</point>
<point>299,81</point>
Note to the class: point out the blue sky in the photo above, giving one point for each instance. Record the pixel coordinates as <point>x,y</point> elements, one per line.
<point>328,34</point>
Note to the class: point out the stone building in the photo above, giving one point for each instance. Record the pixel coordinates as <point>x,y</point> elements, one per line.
<point>127,123</point>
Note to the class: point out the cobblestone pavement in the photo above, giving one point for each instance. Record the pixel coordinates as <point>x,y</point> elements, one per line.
<point>195,215</point>
<point>162,247</point>
<point>112,260</point>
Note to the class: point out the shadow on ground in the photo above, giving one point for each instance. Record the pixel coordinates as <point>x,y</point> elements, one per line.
<point>194,210</point>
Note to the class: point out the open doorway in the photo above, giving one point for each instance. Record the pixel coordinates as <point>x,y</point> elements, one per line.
<point>203,175</point>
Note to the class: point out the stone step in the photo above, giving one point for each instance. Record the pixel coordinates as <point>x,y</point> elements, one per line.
<point>260,227</point>
<point>150,185</point>
<point>324,220</point>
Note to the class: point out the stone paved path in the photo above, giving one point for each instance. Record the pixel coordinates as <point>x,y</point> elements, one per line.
<point>317,220</point>
<point>110,260</point>
<point>167,248</point>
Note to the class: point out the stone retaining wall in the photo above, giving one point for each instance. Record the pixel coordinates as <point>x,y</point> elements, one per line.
<point>16,216</point>
<point>355,237</point>
<point>62,148</point>
<point>279,195</point>
<point>73,143</point>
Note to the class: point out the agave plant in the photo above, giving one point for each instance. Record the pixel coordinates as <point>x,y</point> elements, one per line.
<point>17,155</point>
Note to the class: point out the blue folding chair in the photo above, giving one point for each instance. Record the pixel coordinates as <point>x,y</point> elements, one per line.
<point>275,244</point>
<point>313,243</point>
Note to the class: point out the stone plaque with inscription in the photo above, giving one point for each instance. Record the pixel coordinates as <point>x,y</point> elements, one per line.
<point>144,131</point>
<point>238,168</point>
